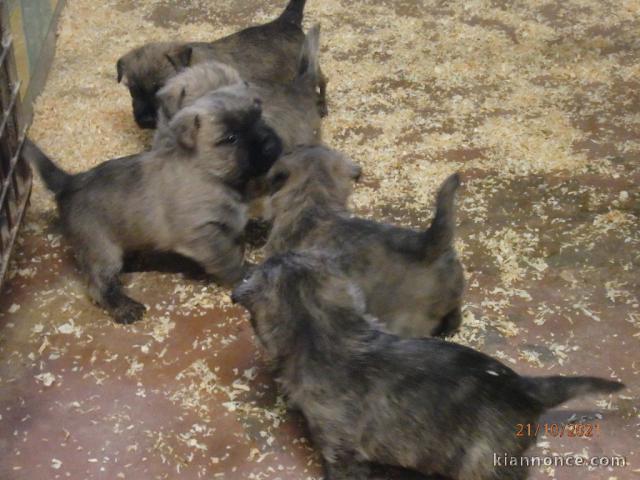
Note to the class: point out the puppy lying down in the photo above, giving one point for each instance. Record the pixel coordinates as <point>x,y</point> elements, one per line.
<point>182,196</point>
<point>267,52</point>
<point>369,396</point>
<point>289,108</point>
<point>412,280</point>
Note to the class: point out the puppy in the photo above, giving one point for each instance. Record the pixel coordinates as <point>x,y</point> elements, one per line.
<point>369,396</point>
<point>290,109</point>
<point>264,52</point>
<point>412,280</point>
<point>182,196</point>
<point>189,85</point>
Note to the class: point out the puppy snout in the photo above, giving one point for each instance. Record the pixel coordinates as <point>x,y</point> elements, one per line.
<point>272,147</point>
<point>144,113</point>
<point>146,121</point>
<point>234,298</point>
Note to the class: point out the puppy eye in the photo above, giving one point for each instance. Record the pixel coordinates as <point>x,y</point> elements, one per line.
<point>231,139</point>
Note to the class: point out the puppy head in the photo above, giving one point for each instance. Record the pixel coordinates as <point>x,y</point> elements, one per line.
<point>315,170</point>
<point>295,293</point>
<point>192,83</point>
<point>225,134</point>
<point>145,70</point>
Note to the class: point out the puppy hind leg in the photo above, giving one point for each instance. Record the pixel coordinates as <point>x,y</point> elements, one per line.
<point>101,267</point>
<point>124,309</point>
<point>448,324</point>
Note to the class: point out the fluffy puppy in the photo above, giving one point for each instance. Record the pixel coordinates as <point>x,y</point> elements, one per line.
<point>291,109</point>
<point>190,84</point>
<point>412,280</point>
<point>369,396</point>
<point>265,52</point>
<point>181,196</point>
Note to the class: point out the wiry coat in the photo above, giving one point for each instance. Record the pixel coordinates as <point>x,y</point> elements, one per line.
<point>369,396</point>
<point>412,280</point>
<point>266,52</point>
<point>289,108</point>
<point>183,196</point>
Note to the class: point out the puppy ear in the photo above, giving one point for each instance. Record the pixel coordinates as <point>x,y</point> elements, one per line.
<point>120,69</point>
<point>186,128</point>
<point>308,66</point>
<point>180,57</point>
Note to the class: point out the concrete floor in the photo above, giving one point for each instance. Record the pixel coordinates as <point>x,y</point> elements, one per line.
<point>536,103</point>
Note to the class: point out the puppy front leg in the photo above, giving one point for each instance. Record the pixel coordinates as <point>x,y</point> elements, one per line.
<point>218,251</point>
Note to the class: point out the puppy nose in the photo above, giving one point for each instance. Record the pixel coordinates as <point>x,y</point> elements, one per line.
<point>146,121</point>
<point>272,148</point>
<point>234,298</point>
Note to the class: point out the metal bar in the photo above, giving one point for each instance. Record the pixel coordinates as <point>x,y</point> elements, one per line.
<point>8,111</point>
<point>6,252</point>
<point>7,43</point>
<point>12,166</point>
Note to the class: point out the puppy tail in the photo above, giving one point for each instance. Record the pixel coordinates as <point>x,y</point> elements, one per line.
<point>53,176</point>
<point>308,64</point>
<point>439,236</point>
<point>552,391</point>
<point>294,12</point>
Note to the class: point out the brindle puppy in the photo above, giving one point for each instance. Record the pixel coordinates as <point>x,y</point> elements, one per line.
<point>182,196</point>
<point>291,109</point>
<point>369,396</point>
<point>412,280</point>
<point>266,52</point>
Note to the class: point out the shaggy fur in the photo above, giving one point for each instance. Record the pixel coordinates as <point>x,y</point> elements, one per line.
<point>183,89</point>
<point>369,396</point>
<point>182,197</point>
<point>290,109</point>
<point>266,52</point>
<point>412,280</point>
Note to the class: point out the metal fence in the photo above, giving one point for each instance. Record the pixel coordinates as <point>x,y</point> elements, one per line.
<point>15,174</point>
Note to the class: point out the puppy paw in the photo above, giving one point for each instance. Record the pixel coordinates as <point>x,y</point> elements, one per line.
<point>129,312</point>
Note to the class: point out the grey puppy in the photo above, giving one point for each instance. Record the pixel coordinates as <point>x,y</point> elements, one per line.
<point>190,84</point>
<point>183,196</point>
<point>369,396</point>
<point>266,52</point>
<point>291,109</point>
<point>412,280</point>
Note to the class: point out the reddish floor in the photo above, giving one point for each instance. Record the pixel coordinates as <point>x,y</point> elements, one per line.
<point>551,260</point>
